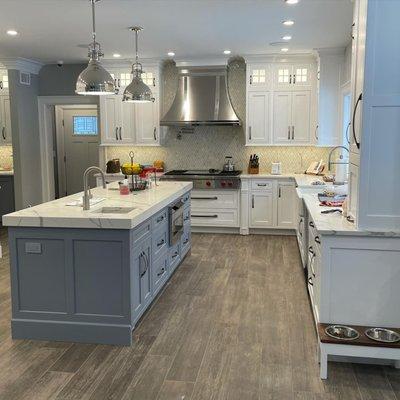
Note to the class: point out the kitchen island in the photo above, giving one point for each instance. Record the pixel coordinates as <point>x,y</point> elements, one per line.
<point>88,276</point>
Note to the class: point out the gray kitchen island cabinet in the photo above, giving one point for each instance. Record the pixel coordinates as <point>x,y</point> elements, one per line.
<point>88,285</point>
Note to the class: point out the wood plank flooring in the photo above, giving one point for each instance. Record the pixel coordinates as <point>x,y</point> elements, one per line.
<point>234,322</point>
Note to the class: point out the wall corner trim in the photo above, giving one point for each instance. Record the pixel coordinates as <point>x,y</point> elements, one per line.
<point>21,64</point>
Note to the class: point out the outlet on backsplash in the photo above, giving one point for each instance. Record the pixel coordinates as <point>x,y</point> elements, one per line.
<point>6,157</point>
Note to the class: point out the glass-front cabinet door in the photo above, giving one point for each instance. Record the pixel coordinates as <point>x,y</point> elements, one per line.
<point>258,76</point>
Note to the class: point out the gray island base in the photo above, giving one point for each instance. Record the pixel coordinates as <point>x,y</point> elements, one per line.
<point>91,285</point>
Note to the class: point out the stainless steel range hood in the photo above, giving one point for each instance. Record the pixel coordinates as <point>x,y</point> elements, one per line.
<point>201,99</point>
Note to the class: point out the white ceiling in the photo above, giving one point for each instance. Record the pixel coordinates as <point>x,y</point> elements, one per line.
<point>51,30</point>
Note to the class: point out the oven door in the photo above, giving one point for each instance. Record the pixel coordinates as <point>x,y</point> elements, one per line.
<point>175,222</point>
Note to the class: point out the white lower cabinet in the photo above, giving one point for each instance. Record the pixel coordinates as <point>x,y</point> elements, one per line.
<point>261,209</point>
<point>287,205</point>
<point>272,204</point>
<point>215,208</point>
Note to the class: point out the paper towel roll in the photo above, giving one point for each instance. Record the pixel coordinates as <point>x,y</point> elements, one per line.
<point>342,170</point>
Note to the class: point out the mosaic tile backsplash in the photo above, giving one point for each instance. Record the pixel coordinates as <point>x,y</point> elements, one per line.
<point>208,145</point>
<point>6,160</point>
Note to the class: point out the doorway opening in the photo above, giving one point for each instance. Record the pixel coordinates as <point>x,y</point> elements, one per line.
<point>76,142</point>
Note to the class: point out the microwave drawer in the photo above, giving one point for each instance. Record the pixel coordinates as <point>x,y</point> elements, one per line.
<point>222,218</point>
<point>215,199</point>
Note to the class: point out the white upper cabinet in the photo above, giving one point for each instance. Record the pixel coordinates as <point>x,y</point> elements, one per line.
<point>301,117</point>
<point>291,117</point>
<point>292,76</point>
<point>116,120</point>
<point>282,127</point>
<point>147,123</point>
<point>258,77</point>
<point>5,121</point>
<point>281,101</point>
<point>258,125</point>
<point>150,77</point>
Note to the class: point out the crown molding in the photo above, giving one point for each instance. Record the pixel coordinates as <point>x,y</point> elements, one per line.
<point>331,51</point>
<point>21,64</point>
<point>127,63</point>
<point>279,58</point>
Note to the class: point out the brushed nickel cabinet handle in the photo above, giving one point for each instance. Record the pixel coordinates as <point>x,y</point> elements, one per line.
<point>249,132</point>
<point>280,192</point>
<point>205,216</point>
<point>3,133</point>
<point>290,79</point>
<point>116,132</point>
<point>205,198</point>
<point>154,82</point>
<point>288,132</point>
<point>294,79</point>
<point>1,84</point>
<point>162,270</point>
<point>293,132</point>
<point>154,134</point>
<point>356,142</point>
<point>120,133</point>
<point>316,132</point>
<point>251,79</point>
<point>252,201</point>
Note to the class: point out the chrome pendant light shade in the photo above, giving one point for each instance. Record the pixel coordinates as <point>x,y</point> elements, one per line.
<point>94,79</point>
<point>137,91</point>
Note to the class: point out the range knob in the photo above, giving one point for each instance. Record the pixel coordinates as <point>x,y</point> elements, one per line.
<point>230,184</point>
<point>223,184</point>
<point>208,183</point>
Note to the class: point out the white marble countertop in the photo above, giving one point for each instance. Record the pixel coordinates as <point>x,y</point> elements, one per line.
<point>55,214</point>
<point>4,172</point>
<point>333,223</point>
<point>302,180</point>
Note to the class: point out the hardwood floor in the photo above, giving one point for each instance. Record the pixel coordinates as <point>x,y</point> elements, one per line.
<point>233,323</point>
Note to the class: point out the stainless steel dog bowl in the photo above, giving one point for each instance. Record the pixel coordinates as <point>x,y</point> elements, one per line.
<point>382,335</point>
<point>341,332</point>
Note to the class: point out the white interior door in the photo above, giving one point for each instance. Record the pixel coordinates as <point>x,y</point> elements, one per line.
<point>301,117</point>
<point>81,147</point>
<point>258,121</point>
<point>282,117</point>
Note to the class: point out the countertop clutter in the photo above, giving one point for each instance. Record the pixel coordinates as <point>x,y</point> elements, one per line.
<point>56,214</point>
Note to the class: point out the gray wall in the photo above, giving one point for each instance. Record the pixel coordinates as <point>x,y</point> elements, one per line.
<point>25,137</point>
<point>59,81</point>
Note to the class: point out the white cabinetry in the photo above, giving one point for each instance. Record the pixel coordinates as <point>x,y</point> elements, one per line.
<point>258,124</point>
<point>3,82</point>
<point>272,203</point>
<point>327,131</point>
<point>292,76</point>
<point>117,120</point>
<point>258,77</point>
<point>291,117</point>
<point>261,209</point>
<point>286,205</point>
<point>124,123</point>
<point>5,121</point>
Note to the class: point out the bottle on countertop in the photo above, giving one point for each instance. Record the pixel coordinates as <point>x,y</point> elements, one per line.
<point>124,187</point>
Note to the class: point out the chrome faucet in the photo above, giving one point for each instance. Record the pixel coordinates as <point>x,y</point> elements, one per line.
<point>86,188</point>
<point>330,163</point>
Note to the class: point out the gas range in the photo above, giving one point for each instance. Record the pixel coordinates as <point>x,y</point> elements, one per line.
<point>206,179</point>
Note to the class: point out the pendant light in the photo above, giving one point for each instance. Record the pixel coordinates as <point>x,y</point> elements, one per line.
<point>137,91</point>
<point>95,80</point>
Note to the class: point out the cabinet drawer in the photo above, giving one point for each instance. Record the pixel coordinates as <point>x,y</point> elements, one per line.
<point>214,199</point>
<point>160,272</point>
<point>141,232</point>
<point>160,240</point>
<point>174,256</point>
<point>261,184</point>
<point>223,218</point>
<point>160,219</point>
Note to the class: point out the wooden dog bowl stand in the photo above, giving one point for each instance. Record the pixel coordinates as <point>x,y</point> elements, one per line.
<point>361,347</point>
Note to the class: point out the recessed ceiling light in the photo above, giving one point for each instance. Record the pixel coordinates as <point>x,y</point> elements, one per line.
<point>171,53</point>
<point>116,55</point>
<point>227,52</point>
<point>12,32</point>
<point>284,49</point>
<point>288,22</point>
<point>291,1</point>
<point>286,37</point>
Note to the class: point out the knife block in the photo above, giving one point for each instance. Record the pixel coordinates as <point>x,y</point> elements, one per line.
<point>253,170</point>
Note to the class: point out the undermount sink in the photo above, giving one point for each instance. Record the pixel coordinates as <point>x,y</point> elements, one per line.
<point>114,210</point>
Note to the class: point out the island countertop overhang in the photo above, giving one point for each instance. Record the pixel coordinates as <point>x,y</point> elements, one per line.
<point>56,214</point>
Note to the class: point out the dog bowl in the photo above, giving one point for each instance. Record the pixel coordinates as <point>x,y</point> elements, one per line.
<point>341,332</point>
<point>382,335</point>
